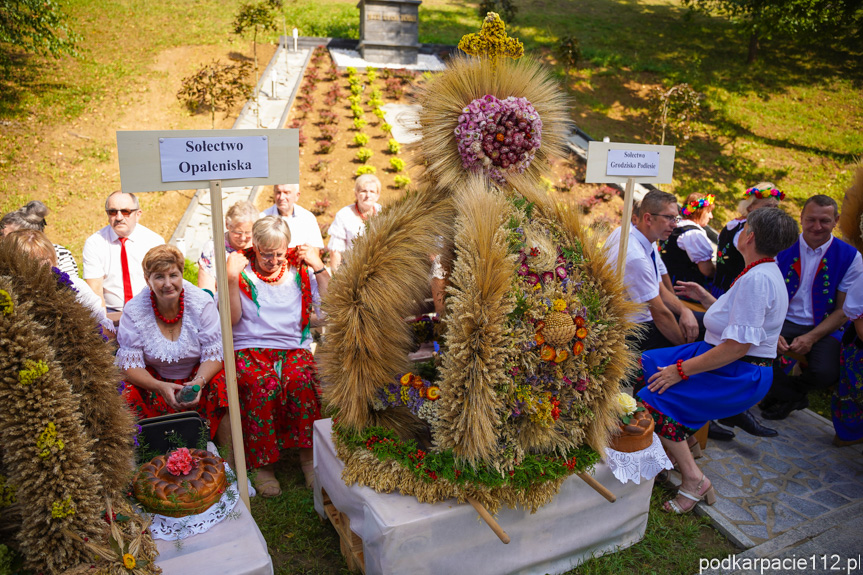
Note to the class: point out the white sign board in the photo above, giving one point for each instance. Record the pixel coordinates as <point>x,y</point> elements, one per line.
<point>632,163</point>
<point>275,158</point>
<point>195,159</point>
<point>615,162</point>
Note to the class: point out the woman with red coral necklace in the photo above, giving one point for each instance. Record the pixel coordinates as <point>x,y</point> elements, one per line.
<point>170,336</point>
<point>731,370</point>
<point>272,292</point>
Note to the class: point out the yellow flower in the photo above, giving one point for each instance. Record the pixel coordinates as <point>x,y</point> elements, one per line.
<point>5,302</point>
<point>559,305</point>
<point>61,509</point>
<point>406,379</point>
<point>32,371</point>
<point>48,439</point>
<point>626,404</point>
<point>128,561</point>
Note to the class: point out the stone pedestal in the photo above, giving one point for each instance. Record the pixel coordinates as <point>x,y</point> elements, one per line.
<point>389,31</point>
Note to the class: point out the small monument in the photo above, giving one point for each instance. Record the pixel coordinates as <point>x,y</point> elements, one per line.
<point>389,31</point>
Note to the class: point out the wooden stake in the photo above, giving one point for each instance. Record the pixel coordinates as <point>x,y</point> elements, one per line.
<point>228,341</point>
<point>598,487</point>
<point>486,516</point>
<point>625,224</point>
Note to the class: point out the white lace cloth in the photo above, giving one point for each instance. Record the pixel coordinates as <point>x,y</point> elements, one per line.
<point>175,528</point>
<point>646,463</point>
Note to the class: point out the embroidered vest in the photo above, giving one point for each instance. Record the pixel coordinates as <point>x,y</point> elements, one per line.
<point>680,267</point>
<point>729,261</point>
<point>831,269</point>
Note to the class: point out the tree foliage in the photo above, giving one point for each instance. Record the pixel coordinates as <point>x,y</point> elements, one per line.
<point>808,20</point>
<point>673,109</point>
<point>257,16</point>
<point>36,26</point>
<point>506,9</point>
<point>216,86</point>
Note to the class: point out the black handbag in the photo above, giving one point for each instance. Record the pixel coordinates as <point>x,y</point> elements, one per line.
<point>165,433</point>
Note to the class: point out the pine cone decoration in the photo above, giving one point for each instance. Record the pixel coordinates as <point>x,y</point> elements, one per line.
<point>559,329</point>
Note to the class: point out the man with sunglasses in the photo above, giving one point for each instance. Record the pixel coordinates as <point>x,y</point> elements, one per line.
<point>655,219</point>
<point>113,255</point>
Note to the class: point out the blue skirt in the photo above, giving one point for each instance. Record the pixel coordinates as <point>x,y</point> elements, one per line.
<point>722,392</point>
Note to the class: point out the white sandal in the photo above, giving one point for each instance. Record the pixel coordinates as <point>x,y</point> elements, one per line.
<point>709,497</point>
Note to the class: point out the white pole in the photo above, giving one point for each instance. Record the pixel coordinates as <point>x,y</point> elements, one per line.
<point>296,34</point>
<point>228,341</point>
<point>625,223</point>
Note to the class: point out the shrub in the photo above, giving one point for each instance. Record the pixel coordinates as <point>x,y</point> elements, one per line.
<point>351,71</point>
<point>371,74</point>
<point>394,88</point>
<point>319,208</point>
<point>387,128</point>
<point>301,138</point>
<point>356,89</point>
<point>359,124</point>
<point>364,154</point>
<point>329,132</point>
<point>320,165</point>
<point>393,147</point>
<point>375,94</point>
<point>569,52</point>
<point>366,170</point>
<point>397,164</point>
<point>325,146</point>
<point>215,87</point>
<point>401,181</point>
<point>673,110</point>
<point>375,103</point>
<point>379,113</point>
<point>355,100</point>
<point>361,139</point>
<point>328,117</point>
<point>357,111</point>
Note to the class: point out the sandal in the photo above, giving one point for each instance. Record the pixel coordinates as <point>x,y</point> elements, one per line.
<point>268,485</point>
<point>695,448</point>
<point>709,497</point>
<point>308,468</point>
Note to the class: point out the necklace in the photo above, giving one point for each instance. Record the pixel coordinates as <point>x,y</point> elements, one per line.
<point>163,318</point>
<point>749,267</point>
<point>266,279</point>
<point>363,216</point>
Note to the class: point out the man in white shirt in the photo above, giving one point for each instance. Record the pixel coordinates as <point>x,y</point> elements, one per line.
<point>655,219</point>
<point>302,223</point>
<point>818,269</point>
<point>113,255</point>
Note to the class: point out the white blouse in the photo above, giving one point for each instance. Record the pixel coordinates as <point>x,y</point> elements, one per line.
<point>853,307</point>
<point>752,311</point>
<point>696,244</point>
<point>142,344</point>
<point>276,325</point>
<point>347,226</point>
<point>88,298</point>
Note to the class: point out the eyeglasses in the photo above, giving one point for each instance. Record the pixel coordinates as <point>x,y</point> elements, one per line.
<point>126,213</point>
<point>272,257</point>
<point>675,219</point>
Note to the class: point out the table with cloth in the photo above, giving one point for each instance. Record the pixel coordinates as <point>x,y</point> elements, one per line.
<point>401,535</point>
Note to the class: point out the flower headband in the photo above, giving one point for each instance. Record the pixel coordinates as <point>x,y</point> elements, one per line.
<point>765,193</point>
<point>690,208</point>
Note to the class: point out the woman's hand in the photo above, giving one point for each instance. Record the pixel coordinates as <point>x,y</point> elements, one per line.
<point>237,262</point>
<point>168,392</point>
<point>194,402</point>
<point>690,290</point>
<point>663,379</point>
<point>311,256</point>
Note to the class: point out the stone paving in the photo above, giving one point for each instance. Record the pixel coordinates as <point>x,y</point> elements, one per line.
<point>779,496</point>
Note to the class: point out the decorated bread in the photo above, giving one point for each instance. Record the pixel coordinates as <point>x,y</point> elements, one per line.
<point>635,426</point>
<point>186,482</point>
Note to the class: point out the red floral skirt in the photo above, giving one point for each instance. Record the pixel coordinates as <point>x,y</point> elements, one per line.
<point>279,401</point>
<point>212,405</point>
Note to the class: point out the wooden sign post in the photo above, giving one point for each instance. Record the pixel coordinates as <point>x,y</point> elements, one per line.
<point>612,162</point>
<point>154,161</point>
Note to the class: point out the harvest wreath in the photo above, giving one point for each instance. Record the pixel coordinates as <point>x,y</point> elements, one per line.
<point>533,338</point>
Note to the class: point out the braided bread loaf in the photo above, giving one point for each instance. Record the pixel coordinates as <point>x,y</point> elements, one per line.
<point>160,491</point>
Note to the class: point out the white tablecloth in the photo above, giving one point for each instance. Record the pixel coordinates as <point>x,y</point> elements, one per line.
<point>401,535</point>
<point>234,546</point>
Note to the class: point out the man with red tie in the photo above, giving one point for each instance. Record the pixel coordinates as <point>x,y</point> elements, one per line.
<point>113,255</point>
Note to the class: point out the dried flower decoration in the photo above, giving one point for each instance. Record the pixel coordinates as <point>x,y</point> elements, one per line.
<point>48,439</point>
<point>61,509</point>
<point>32,371</point>
<point>6,302</point>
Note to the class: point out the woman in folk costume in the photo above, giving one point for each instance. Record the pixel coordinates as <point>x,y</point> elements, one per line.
<point>729,261</point>
<point>847,402</point>
<point>688,252</point>
<point>272,290</point>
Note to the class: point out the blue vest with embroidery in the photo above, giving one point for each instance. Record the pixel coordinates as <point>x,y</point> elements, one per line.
<point>831,269</point>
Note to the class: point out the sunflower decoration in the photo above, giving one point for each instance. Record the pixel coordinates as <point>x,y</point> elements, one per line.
<point>533,337</point>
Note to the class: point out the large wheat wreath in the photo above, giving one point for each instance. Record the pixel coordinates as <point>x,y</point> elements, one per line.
<point>535,324</point>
